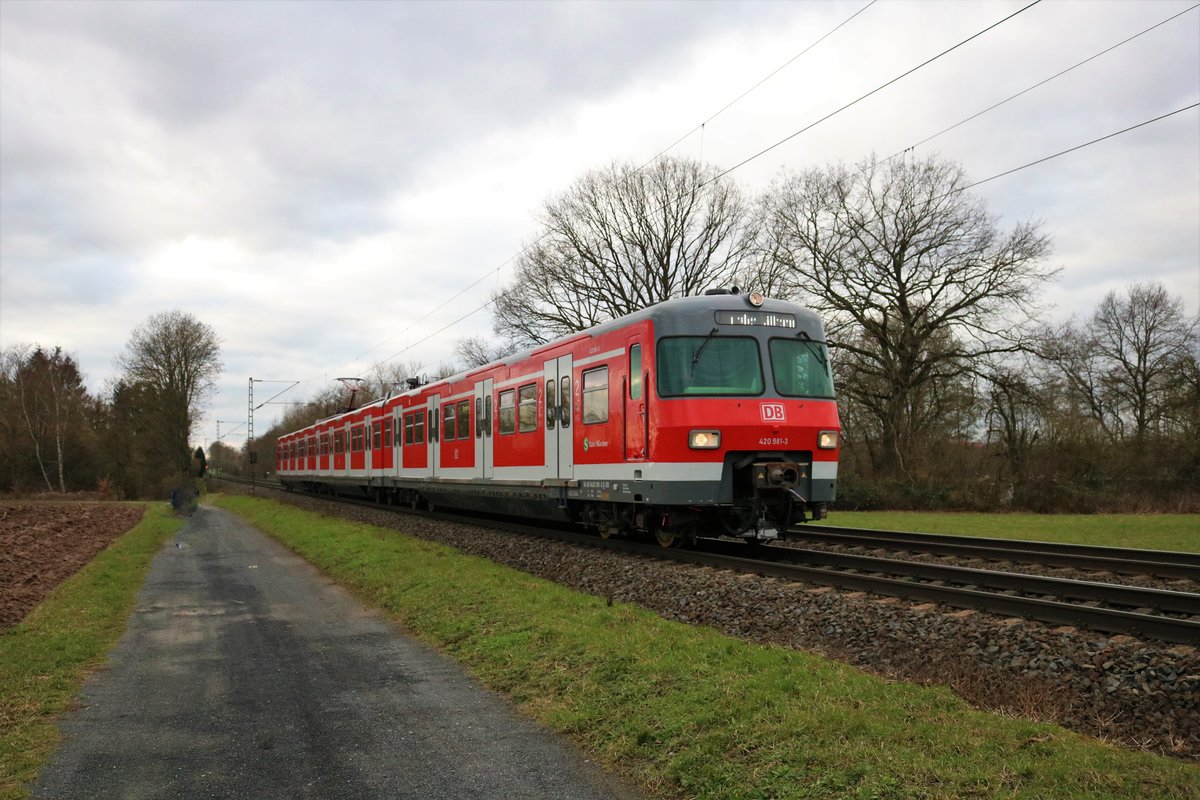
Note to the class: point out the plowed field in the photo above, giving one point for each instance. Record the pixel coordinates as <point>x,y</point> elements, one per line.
<point>43,544</point>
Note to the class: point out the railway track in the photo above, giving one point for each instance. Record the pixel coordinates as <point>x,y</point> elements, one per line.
<point>1117,560</point>
<point>1148,613</point>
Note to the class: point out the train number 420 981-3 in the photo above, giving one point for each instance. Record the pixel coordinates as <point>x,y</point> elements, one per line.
<point>773,441</point>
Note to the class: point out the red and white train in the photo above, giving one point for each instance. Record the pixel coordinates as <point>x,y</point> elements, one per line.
<point>697,416</point>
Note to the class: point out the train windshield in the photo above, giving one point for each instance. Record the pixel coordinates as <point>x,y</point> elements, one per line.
<point>709,365</point>
<point>800,368</point>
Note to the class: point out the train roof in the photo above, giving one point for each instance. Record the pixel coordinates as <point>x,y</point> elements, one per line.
<point>678,314</point>
<point>670,317</point>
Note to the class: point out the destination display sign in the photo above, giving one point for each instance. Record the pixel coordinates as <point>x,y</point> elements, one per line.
<point>762,319</point>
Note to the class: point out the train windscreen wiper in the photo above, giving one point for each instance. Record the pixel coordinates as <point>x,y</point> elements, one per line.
<point>700,349</point>
<point>812,346</point>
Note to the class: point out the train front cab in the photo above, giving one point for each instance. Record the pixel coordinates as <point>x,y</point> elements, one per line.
<point>742,427</point>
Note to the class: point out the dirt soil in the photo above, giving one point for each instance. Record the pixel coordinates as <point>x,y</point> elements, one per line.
<point>43,544</point>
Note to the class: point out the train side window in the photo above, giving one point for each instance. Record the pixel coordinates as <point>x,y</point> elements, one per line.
<point>448,422</point>
<point>387,434</point>
<point>408,428</point>
<point>564,401</point>
<point>508,412</point>
<point>419,428</point>
<point>551,408</point>
<point>527,407</point>
<point>635,372</point>
<point>478,417</point>
<point>595,396</point>
<point>377,435</point>
<point>464,419</point>
<point>487,416</point>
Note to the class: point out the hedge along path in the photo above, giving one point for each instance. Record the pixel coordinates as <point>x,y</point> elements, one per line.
<point>45,659</point>
<point>688,712</point>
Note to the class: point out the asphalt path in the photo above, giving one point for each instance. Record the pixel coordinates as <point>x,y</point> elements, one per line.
<point>245,673</point>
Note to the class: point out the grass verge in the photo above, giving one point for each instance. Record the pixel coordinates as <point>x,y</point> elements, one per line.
<point>45,659</point>
<point>689,712</point>
<point>1148,531</point>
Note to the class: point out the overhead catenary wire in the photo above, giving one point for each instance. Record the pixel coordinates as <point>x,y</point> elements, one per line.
<point>845,107</point>
<point>1071,149</point>
<point>960,189</point>
<point>534,243</point>
<point>768,77</point>
<point>772,147</point>
<point>876,90</point>
<point>1040,83</point>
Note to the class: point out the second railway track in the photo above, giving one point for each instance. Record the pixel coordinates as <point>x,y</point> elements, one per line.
<point>1117,560</point>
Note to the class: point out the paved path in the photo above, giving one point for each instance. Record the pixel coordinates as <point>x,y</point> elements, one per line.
<point>247,674</point>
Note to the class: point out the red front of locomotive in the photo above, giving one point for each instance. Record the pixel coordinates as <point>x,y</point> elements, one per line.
<point>743,423</point>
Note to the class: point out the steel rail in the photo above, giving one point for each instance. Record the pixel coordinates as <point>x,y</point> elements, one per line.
<point>1170,629</point>
<point>1165,601</point>
<point>1121,560</point>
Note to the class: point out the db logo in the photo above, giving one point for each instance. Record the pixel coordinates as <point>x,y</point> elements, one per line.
<point>773,412</point>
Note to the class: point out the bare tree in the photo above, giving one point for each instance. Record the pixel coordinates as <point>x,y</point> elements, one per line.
<point>385,378</point>
<point>916,281</point>
<point>1144,342</point>
<point>475,351</point>
<point>177,358</point>
<point>43,400</point>
<point>621,239</point>
<point>224,458</point>
<point>1014,416</point>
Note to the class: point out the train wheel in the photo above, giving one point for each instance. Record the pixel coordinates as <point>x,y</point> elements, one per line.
<point>666,537</point>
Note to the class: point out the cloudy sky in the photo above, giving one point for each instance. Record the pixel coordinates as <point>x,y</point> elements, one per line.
<point>314,179</point>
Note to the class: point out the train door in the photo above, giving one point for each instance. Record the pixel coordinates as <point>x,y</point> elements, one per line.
<point>560,457</point>
<point>346,463</point>
<point>483,428</point>
<point>634,402</point>
<point>369,455</point>
<point>433,424</point>
<point>397,435</point>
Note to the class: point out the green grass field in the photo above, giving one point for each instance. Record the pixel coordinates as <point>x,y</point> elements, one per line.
<point>1148,531</point>
<point>688,712</point>
<point>45,659</point>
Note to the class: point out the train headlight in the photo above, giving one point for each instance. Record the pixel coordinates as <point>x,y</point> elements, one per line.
<point>827,440</point>
<point>704,440</point>
<point>755,298</point>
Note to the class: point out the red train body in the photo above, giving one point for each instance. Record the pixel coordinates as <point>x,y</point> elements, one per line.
<point>696,416</point>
